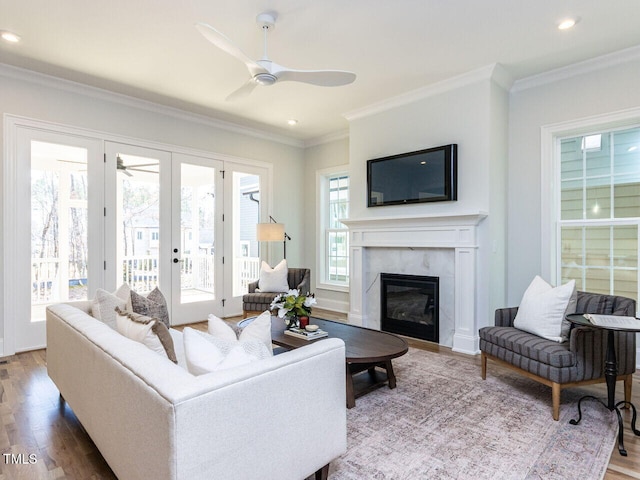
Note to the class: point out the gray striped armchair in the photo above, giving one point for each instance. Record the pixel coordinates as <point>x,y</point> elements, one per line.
<point>579,361</point>
<point>258,302</point>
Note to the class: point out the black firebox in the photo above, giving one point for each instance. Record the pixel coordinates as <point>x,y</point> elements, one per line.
<point>409,305</point>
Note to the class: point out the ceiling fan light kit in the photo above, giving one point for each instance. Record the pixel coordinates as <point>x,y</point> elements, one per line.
<point>264,72</point>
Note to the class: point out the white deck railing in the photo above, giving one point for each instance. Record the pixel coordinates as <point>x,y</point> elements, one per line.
<point>140,272</point>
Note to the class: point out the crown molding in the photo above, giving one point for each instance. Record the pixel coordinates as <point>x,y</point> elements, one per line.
<point>494,71</point>
<point>580,68</point>
<point>330,137</point>
<point>50,81</point>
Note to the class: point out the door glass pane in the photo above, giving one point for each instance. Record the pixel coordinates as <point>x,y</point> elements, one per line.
<point>59,247</point>
<point>246,214</point>
<point>138,221</point>
<point>197,228</point>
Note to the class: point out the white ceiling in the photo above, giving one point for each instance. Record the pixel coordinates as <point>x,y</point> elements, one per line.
<point>151,50</point>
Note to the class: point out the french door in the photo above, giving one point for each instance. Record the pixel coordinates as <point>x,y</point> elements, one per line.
<point>83,213</point>
<point>197,268</point>
<point>56,210</point>
<point>185,224</point>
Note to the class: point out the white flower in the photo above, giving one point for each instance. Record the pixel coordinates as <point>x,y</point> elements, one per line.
<point>309,301</point>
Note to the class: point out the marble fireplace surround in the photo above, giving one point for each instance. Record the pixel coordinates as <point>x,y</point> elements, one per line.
<point>444,246</point>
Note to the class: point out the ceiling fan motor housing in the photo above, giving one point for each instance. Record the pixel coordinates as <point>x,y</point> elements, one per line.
<point>265,79</point>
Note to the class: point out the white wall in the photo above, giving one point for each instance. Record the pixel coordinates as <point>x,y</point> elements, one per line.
<point>44,98</point>
<point>598,87</point>
<point>474,116</point>
<point>319,157</point>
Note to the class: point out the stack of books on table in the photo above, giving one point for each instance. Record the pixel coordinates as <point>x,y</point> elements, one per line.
<point>304,334</point>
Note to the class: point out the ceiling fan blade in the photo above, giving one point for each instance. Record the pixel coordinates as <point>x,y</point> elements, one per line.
<point>71,161</point>
<point>141,170</point>
<point>243,91</point>
<point>322,78</point>
<point>226,45</point>
<point>124,170</point>
<point>142,165</point>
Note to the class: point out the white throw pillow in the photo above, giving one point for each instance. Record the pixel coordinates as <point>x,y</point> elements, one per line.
<point>205,353</point>
<point>103,305</point>
<point>258,329</point>
<point>543,308</point>
<point>274,279</point>
<point>151,332</point>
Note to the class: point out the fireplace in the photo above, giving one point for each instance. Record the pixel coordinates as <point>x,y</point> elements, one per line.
<point>409,305</point>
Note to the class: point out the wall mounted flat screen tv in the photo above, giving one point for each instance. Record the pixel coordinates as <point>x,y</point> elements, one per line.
<point>429,175</point>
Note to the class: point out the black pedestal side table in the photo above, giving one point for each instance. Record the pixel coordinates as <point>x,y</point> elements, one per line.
<point>611,376</point>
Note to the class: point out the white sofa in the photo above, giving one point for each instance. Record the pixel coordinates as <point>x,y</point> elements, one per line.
<point>280,418</point>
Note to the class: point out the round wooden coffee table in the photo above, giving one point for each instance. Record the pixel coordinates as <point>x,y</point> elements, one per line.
<point>365,349</point>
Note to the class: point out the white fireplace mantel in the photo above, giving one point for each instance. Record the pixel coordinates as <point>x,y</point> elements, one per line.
<point>458,232</point>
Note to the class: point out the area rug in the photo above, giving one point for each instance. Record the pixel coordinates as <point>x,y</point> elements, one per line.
<point>444,422</point>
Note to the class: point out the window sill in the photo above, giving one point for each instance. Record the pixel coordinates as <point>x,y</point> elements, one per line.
<point>335,288</point>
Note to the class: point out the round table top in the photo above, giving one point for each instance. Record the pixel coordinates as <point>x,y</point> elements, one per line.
<point>579,319</point>
<point>362,345</point>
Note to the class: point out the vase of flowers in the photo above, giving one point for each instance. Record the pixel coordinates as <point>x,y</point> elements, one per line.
<point>292,305</point>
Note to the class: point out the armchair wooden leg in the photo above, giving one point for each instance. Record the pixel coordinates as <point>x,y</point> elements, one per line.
<point>628,383</point>
<point>555,399</point>
<point>244,314</point>
<point>483,363</point>
<point>323,473</point>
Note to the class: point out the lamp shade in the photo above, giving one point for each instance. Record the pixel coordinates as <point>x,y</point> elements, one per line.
<point>270,232</point>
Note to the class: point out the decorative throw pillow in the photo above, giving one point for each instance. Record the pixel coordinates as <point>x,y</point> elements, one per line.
<point>543,308</point>
<point>104,303</point>
<point>274,279</point>
<point>259,329</point>
<point>206,353</point>
<point>148,331</point>
<point>572,307</point>
<point>153,305</point>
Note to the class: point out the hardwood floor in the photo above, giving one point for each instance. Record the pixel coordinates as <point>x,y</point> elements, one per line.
<point>40,437</point>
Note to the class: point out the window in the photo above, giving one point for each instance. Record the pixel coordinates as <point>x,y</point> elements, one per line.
<point>334,249</point>
<point>139,235</point>
<point>155,235</point>
<point>599,211</point>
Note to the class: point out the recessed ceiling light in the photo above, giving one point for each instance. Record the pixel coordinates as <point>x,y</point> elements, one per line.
<point>292,122</point>
<point>9,36</point>
<point>567,23</point>
<point>632,148</point>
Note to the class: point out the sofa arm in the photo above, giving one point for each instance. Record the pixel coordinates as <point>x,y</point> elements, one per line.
<point>504,316</point>
<point>590,348</point>
<point>251,288</point>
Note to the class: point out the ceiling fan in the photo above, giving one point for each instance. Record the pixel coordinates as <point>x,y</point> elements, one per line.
<point>121,166</point>
<point>125,168</point>
<point>266,72</point>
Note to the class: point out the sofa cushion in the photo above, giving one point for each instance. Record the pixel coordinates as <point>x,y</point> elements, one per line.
<point>149,331</point>
<point>274,279</point>
<point>206,353</point>
<point>529,345</point>
<point>258,329</point>
<point>153,305</point>
<point>543,309</point>
<point>104,304</point>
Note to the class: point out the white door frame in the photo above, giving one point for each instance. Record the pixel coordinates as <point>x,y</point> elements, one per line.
<point>196,310</point>
<point>17,241</point>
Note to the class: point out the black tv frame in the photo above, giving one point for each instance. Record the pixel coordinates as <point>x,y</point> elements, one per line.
<point>450,176</point>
